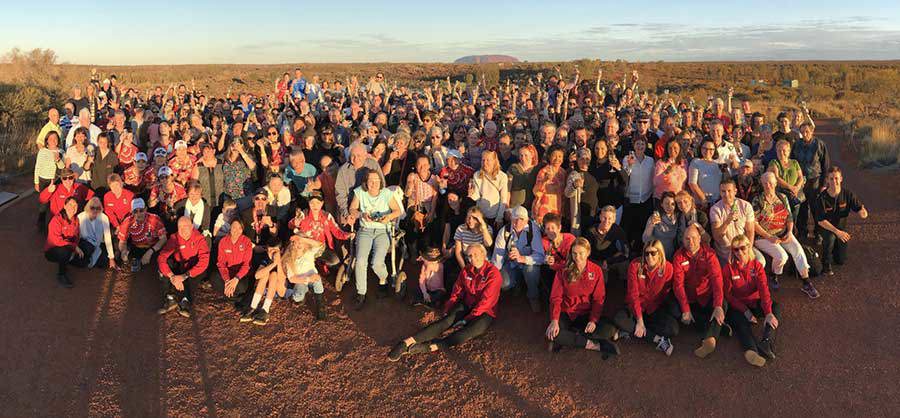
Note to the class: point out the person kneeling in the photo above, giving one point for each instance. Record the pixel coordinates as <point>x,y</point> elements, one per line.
<point>578,292</point>
<point>182,264</point>
<point>300,268</point>
<point>471,306</point>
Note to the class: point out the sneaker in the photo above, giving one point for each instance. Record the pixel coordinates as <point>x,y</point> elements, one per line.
<point>184,308</point>
<point>706,348</point>
<point>64,281</point>
<point>774,282</point>
<point>261,317</point>
<point>168,305</point>
<point>827,271</point>
<point>766,347</point>
<point>296,297</point>
<point>535,305</point>
<point>754,358</point>
<point>665,345</point>
<point>247,314</point>
<point>810,290</point>
<point>398,351</point>
<point>360,302</point>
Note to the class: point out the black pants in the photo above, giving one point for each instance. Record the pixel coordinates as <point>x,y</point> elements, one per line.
<point>63,256</point>
<point>571,331</point>
<point>473,328</point>
<point>743,328</point>
<point>834,251</point>
<point>167,289</point>
<point>218,284</point>
<point>810,190</point>
<point>545,284</point>
<point>617,272</point>
<point>634,220</point>
<point>703,321</point>
<point>43,208</point>
<point>662,322</point>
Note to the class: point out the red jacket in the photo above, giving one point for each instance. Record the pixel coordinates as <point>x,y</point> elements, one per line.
<point>62,232</point>
<point>746,285</point>
<point>234,258</point>
<point>322,228</point>
<point>478,289</point>
<point>647,290</point>
<point>117,208</point>
<point>192,253</point>
<point>582,296</point>
<point>57,198</point>
<point>697,277</point>
<point>561,253</point>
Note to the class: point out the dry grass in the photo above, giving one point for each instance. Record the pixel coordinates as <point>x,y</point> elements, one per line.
<point>878,142</point>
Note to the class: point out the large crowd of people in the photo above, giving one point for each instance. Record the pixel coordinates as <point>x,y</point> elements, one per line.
<point>548,190</point>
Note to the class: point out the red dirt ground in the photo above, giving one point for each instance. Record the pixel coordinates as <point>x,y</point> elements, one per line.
<point>100,350</point>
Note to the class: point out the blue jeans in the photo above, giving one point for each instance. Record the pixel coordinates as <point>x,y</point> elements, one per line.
<point>301,289</point>
<point>374,242</point>
<point>513,272</point>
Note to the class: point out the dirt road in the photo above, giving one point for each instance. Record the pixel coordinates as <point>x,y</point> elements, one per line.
<point>100,350</point>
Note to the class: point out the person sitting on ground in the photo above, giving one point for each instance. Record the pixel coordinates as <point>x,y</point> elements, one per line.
<point>610,247</point>
<point>519,253</point>
<point>576,303</point>
<point>651,312</point>
<point>96,237</point>
<point>775,236</point>
<point>431,290</point>
<point>473,231</point>
<point>471,307</point>
<point>747,292</point>
<point>62,244</point>
<point>299,260</point>
<point>269,282</point>
<point>233,259</point>
<point>831,209</point>
<point>182,266</point>
<point>321,226</point>
<point>698,284</point>
<point>141,235</point>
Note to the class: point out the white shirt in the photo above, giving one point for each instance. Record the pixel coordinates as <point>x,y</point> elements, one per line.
<point>96,232</point>
<point>743,212</point>
<point>640,180</point>
<point>195,212</point>
<point>93,132</point>
<point>491,196</point>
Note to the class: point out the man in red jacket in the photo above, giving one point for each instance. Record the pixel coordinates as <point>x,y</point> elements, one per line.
<point>182,264</point>
<point>233,263</point>
<point>698,288</point>
<point>56,195</point>
<point>471,306</point>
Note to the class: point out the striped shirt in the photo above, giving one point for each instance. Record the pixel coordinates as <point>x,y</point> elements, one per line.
<point>467,237</point>
<point>46,164</point>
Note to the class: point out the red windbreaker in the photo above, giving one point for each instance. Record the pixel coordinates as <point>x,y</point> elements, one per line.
<point>582,296</point>
<point>233,260</point>
<point>117,208</point>
<point>560,254</point>
<point>478,289</point>
<point>698,277</point>
<point>57,198</point>
<point>191,252</point>
<point>647,290</point>
<point>746,285</point>
<point>62,232</point>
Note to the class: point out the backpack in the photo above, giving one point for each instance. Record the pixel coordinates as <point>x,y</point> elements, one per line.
<point>529,233</point>
<point>814,259</point>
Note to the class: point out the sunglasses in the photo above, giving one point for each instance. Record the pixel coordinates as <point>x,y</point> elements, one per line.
<point>94,208</point>
<point>273,133</point>
<point>653,252</point>
<point>69,178</point>
<point>258,198</point>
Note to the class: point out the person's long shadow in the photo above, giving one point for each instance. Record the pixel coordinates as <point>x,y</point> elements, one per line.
<point>203,366</point>
<point>142,350</point>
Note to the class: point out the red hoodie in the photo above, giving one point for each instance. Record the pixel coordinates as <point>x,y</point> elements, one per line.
<point>57,198</point>
<point>697,277</point>
<point>746,285</point>
<point>647,290</point>
<point>191,252</point>
<point>62,232</point>
<point>478,289</point>
<point>582,296</point>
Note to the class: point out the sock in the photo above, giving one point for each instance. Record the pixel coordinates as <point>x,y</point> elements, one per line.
<point>255,302</point>
<point>267,304</point>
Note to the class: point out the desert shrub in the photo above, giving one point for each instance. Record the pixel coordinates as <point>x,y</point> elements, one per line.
<point>878,142</point>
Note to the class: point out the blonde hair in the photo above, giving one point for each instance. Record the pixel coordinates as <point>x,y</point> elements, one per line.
<point>484,157</point>
<point>661,251</point>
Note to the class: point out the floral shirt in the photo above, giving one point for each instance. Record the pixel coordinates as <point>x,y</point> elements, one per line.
<point>237,178</point>
<point>772,217</point>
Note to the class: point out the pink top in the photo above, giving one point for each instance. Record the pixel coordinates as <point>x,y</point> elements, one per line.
<point>673,181</point>
<point>431,277</point>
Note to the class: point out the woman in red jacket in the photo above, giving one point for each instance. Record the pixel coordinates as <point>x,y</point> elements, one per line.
<point>471,306</point>
<point>747,292</point>
<point>61,246</point>
<point>652,312</point>
<point>576,303</point>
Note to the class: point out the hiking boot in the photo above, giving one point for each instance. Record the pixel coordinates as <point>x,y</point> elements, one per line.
<point>754,358</point>
<point>665,345</point>
<point>320,307</point>
<point>167,306</point>
<point>247,314</point>
<point>810,290</point>
<point>382,292</point>
<point>261,317</point>
<point>360,302</point>
<point>184,308</point>
<point>775,282</point>
<point>398,351</point>
<point>535,305</point>
<point>706,348</point>
<point>64,281</point>
<point>766,347</point>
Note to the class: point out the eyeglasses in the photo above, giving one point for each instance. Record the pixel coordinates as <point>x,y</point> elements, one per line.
<point>94,208</point>
<point>426,120</point>
<point>644,122</point>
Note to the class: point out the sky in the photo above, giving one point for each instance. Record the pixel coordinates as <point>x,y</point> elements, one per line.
<point>269,32</point>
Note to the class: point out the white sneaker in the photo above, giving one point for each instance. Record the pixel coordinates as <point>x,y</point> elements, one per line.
<point>665,345</point>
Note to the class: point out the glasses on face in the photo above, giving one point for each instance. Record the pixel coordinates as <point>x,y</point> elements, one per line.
<point>259,198</point>
<point>644,122</point>
<point>426,120</point>
<point>653,252</point>
<point>273,133</point>
<point>69,178</point>
<point>94,208</point>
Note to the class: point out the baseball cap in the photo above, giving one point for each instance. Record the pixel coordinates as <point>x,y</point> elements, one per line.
<point>160,152</point>
<point>164,171</point>
<point>140,156</point>
<point>454,153</point>
<point>137,203</point>
<point>180,144</point>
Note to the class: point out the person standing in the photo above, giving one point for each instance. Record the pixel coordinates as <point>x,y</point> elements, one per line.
<point>813,157</point>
